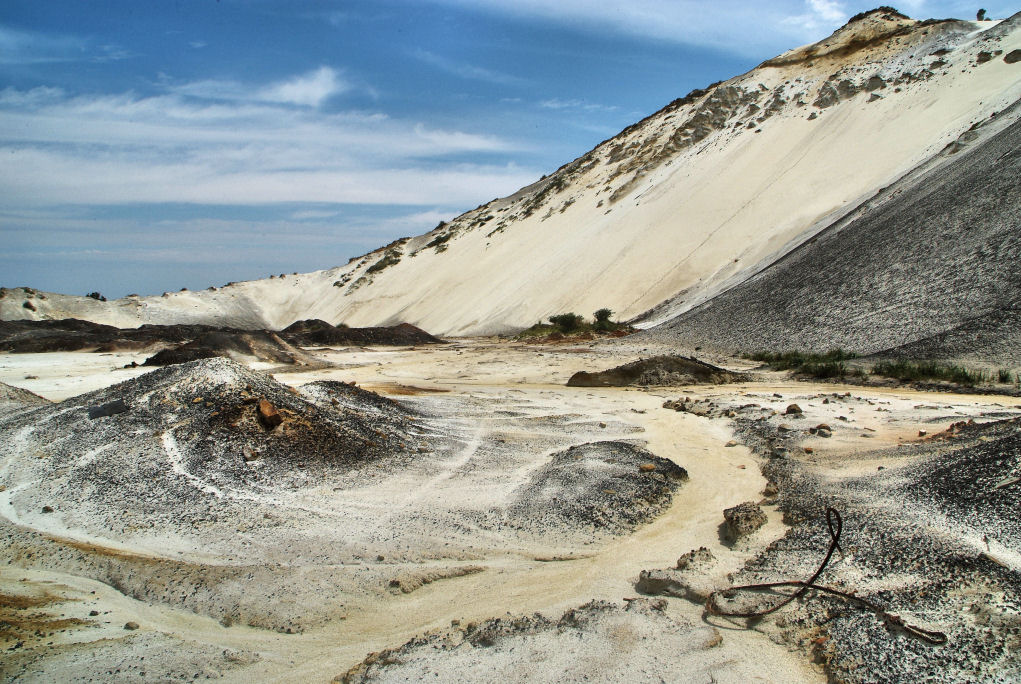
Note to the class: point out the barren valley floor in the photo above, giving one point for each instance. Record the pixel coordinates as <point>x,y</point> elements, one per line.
<point>445,541</point>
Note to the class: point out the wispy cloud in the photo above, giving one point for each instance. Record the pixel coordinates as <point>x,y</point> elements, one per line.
<point>467,71</point>
<point>307,90</point>
<point>181,147</point>
<point>735,26</point>
<point>578,105</point>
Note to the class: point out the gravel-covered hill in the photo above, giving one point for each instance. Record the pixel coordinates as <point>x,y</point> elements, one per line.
<point>931,267</point>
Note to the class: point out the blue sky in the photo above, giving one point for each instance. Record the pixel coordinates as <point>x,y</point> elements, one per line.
<point>149,146</point>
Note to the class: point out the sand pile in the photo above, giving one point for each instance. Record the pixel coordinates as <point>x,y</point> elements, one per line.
<point>15,397</point>
<point>658,370</point>
<point>611,487</point>
<point>257,344</point>
<point>596,642</point>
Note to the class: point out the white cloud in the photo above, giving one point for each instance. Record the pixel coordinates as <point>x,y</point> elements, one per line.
<point>467,71</point>
<point>731,25</point>
<point>309,90</point>
<point>575,104</point>
<point>173,148</point>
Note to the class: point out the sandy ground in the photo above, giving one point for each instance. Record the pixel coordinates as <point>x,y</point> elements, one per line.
<point>492,384</point>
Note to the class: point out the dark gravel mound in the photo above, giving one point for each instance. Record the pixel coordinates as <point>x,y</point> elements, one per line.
<point>934,540</point>
<point>71,334</point>
<point>658,370</point>
<point>261,344</point>
<point>314,332</point>
<point>192,438</point>
<point>929,262</point>
<point>609,486</point>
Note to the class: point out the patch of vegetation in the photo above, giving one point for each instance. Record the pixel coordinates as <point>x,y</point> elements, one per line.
<point>1003,375</point>
<point>793,360</point>
<point>572,324</point>
<point>930,370</point>
<point>388,260</point>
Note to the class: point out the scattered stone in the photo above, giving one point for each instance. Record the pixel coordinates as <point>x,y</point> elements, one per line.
<point>793,410</point>
<point>731,443</point>
<point>770,490</point>
<point>268,415</point>
<point>784,427</point>
<point>809,450</point>
<point>249,454</point>
<point>47,509</point>
<point>1012,57</point>
<point>742,520</point>
<point>93,613</point>
<point>922,433</point>
<point>29,305</point>
<point>109,409</point>
<point>130,626</point>
<point>695,557</point>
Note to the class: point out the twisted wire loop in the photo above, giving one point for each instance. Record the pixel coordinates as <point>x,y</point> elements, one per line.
<point>836,525</point>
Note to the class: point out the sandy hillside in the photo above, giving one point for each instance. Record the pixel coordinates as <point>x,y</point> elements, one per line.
<point>925,270</point>
<point>680,206</point>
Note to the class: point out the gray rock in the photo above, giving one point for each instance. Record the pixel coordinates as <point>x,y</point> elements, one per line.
<point>741,520</point>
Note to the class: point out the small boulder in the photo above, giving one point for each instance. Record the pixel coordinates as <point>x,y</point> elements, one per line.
<point>131,626</point>
<point>268,415</point>
<point>1012,57</point>
<point>793,410</point>
<point>742,520</point>
<point>29,305</point>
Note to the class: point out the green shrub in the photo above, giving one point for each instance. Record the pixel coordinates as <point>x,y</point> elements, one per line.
<point>1003,375</point>
<point>929,370</point>
<point>567,322</point>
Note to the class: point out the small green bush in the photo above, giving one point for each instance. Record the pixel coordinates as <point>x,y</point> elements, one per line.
<point>1003,375</point>
<point>567,322</point>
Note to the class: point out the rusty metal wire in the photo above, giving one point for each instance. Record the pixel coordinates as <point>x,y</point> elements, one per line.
<point>836,525</point>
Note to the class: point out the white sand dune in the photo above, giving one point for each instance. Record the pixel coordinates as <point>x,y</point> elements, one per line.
<point>680,206</point>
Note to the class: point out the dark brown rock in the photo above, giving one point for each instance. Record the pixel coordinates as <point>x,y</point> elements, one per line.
<point>1012,57</point>
<point>793,410</point>
<point>268,414</point>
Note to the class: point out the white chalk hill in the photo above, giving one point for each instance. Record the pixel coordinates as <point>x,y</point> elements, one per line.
<point>674,210</point>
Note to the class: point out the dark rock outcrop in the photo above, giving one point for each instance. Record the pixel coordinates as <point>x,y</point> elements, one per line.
<point>658,370</point>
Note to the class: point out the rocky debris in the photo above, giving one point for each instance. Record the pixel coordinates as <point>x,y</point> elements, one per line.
<point>407,582</point>
<point>606,486</point>
<point>793,410</point>
<point>1012,57</point>
<point>658,370</point>
<point>108,409</point>
<point>131,626</point>
<point>704,408</point>
<point>268,414</point>
<point>742,520</point>
<point>933,519</point>
<point>641,637</point>
<point>28,305</point>
<point>691,579</point>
